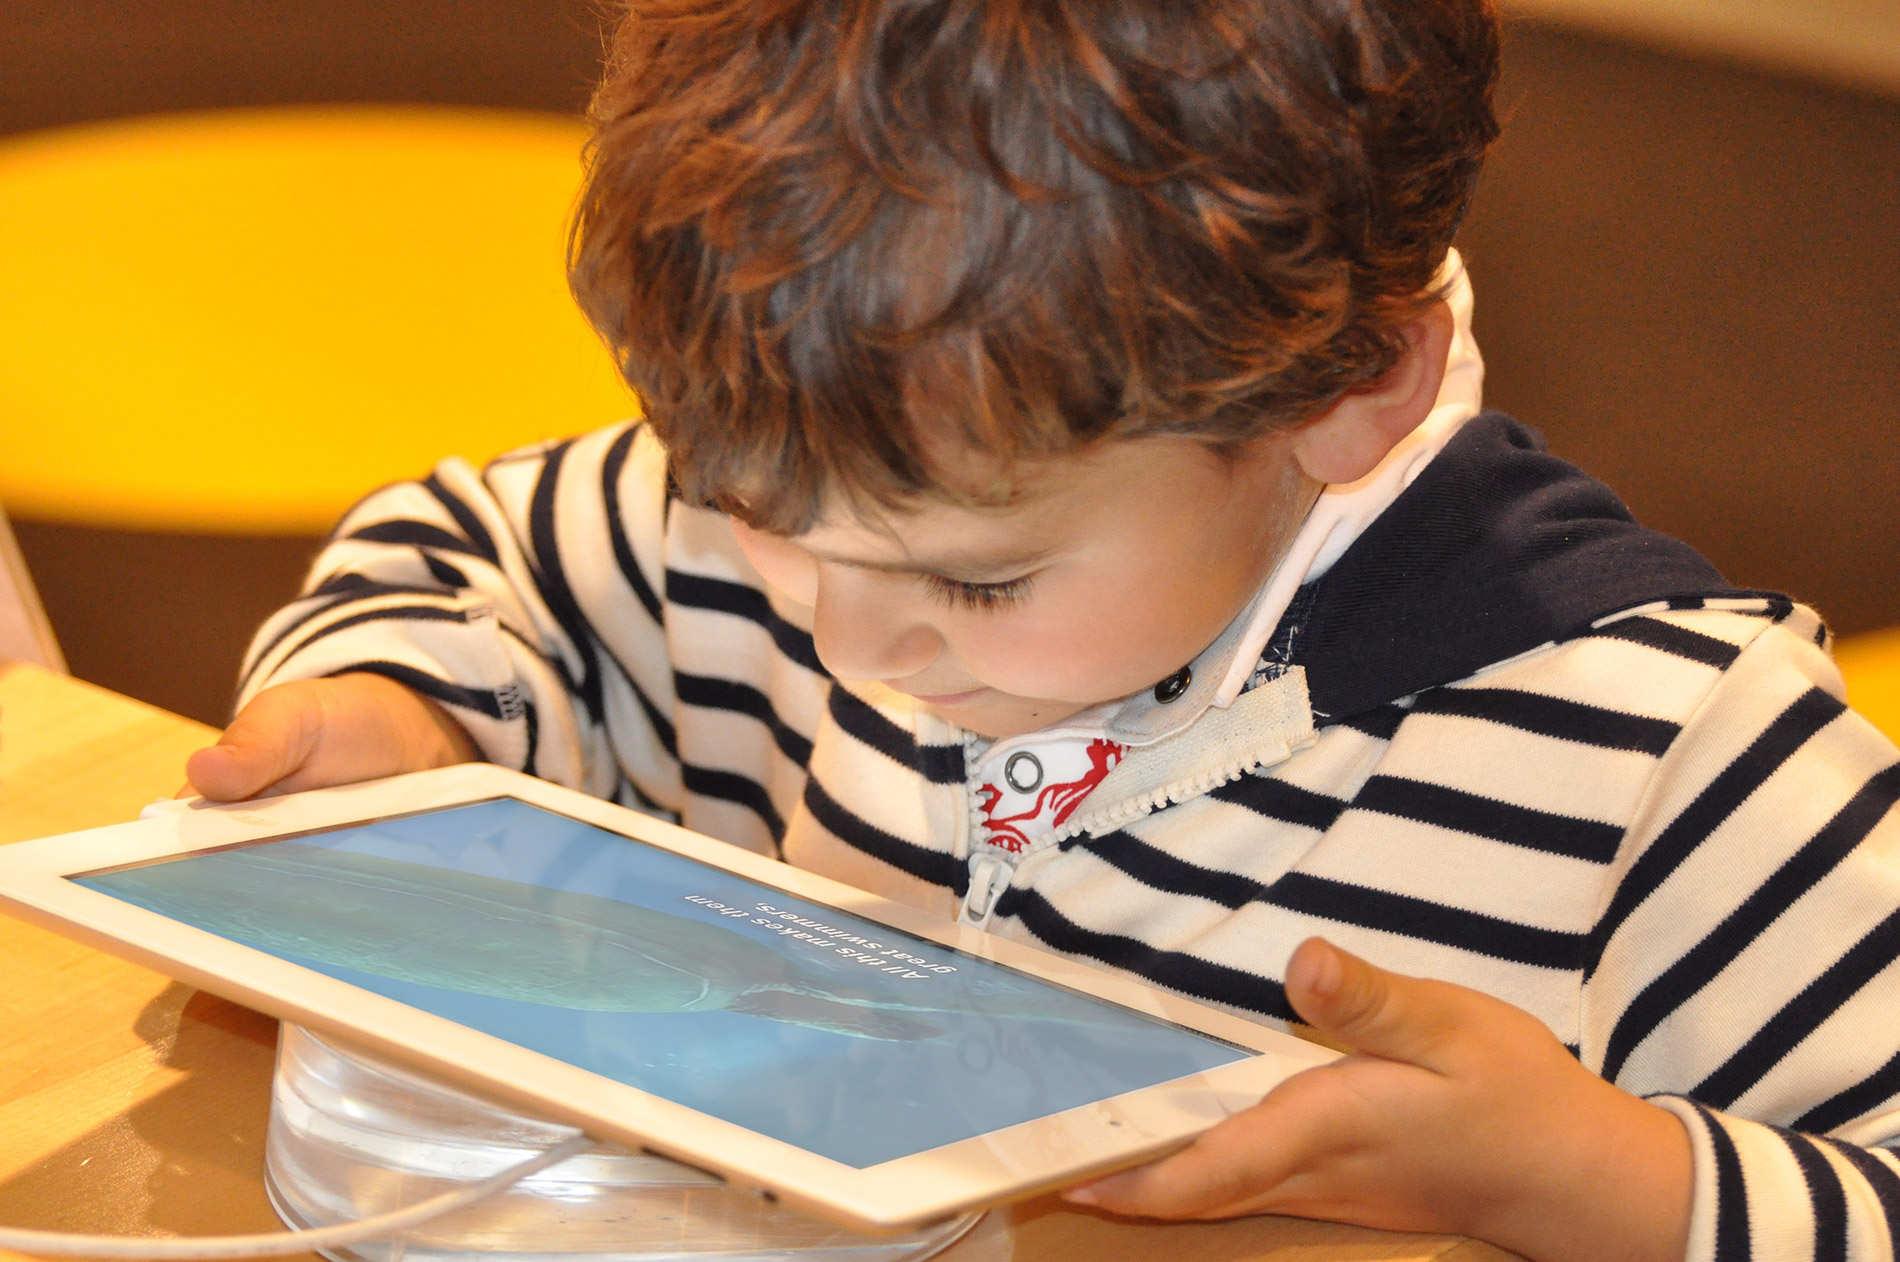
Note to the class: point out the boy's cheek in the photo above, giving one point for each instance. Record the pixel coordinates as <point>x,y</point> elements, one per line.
<point>1114,638</point>
<point>1092,652</point>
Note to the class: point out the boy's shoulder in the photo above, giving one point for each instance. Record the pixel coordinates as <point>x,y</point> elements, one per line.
<point>1499,550</point>
<point>1639,678</point>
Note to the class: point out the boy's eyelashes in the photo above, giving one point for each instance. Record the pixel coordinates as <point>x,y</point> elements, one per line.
<point>979,596</point>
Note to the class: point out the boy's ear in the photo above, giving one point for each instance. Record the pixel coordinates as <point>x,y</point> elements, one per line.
<point>1349,439</point>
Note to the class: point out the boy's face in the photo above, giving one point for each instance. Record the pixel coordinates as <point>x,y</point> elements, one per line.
<point>1112,570</point>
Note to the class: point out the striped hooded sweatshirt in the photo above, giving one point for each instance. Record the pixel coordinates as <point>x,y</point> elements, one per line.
<point>1509,740</point>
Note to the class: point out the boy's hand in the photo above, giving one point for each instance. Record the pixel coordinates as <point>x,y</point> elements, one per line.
<point>318,732</point>
<point>1456,1112</point>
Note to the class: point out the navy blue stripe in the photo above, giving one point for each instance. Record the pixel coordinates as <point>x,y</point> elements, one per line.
<point>1880,1177</point>
<point>477,699</point>
<point>729,694</point>
<point>414,534</point>
<point>1825,1194</point>
<point>1674,640</point>
<point>551,582</point>
<point>1858,1100</point>
<point>465,517</point>
<point>1176,970</point>
<point>662,726</point>
<point>1790,730</point>
<point>610,471</point>
<point>695,591</point>
<point>1278,800</point>
<point>350,583</point>
<point>1463,812</point>
<point>333,592</point>
<point>1380,723</point>
<point>934,866</point>
<point>1802,1015</point>
<point>730,786</point>
<point>530,719</point>
<point>1553,717</point>
<point>1162,871</point>
<point>1344,903</point>
<point>1428,921</point>
<point>1731,1194</point>
<point>632,794</point>
<point>939,764</point>
<point>443,572</point>
<point>1770,900</point>
<point>395,613</point>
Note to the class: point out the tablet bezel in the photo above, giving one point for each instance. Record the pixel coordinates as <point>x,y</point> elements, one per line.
<point>1004,1165</point>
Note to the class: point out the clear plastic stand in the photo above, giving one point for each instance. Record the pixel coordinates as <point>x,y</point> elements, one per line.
<point>351,1136</point>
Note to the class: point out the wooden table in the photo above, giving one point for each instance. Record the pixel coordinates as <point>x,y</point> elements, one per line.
<point>131,1103</point>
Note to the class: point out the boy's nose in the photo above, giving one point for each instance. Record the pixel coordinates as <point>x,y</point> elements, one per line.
<point>864,630</point>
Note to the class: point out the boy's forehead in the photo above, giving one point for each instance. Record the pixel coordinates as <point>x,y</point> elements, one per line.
<point>937,537</point>
<point>1054,503</point>
<point>1019,514</point>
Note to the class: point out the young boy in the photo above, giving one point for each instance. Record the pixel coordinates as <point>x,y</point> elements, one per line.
<point>1064,504</point>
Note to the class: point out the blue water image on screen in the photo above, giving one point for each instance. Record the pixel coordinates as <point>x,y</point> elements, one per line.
<point>814,1027</point>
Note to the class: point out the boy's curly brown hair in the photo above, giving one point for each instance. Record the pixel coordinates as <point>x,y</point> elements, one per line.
<point>833,241</point>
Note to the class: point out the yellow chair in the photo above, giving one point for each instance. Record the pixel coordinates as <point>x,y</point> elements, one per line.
<point>1871,663</point>
<point>219,330</point>
<point>241,321</point>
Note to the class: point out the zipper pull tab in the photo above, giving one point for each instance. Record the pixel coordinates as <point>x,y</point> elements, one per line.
<point>989,877</point>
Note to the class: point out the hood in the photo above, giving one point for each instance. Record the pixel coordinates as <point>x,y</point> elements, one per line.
<point>1496,548</point>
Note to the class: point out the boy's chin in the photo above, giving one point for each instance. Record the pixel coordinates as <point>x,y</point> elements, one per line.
<point>999,716</point>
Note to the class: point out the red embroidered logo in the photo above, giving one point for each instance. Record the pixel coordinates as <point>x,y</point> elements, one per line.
<point>1054,803</point>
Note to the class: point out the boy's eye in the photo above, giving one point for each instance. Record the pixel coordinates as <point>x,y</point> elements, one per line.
<point>985,596</point>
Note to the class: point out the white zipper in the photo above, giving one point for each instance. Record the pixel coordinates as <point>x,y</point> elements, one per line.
<point>990,875</point>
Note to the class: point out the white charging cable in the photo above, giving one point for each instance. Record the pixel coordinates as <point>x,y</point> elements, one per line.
<point>60,1244</point>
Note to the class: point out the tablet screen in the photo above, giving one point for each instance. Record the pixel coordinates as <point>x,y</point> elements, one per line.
<point>838,1035</point>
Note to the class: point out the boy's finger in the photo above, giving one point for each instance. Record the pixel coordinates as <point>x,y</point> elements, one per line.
<point>1233,1169</point>
<point>1369,1009</point>
<point>267,741</point>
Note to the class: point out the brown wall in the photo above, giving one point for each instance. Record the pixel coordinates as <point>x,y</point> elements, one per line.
<point>1688,275</point>
<point>69,60</point>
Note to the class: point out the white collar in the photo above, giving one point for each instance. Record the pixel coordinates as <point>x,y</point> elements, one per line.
<point>1341,514</point>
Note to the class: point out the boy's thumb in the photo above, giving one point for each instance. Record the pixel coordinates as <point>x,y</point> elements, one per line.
<point>226,772</point>
<point>1365,1007</point>
<point>261,747</point>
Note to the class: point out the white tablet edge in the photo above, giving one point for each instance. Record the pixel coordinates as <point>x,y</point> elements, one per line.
<point>1005,1165</point>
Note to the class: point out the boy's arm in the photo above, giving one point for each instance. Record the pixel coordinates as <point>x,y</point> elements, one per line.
<point>1746,973</point>
<point>1748,959</point>
<point>517,606</point>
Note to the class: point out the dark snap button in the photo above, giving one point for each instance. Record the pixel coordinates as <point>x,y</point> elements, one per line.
<point>1174,685</point>
<point>1023,771</point>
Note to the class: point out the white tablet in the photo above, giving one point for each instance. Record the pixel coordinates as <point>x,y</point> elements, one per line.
<point>652,986</point>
